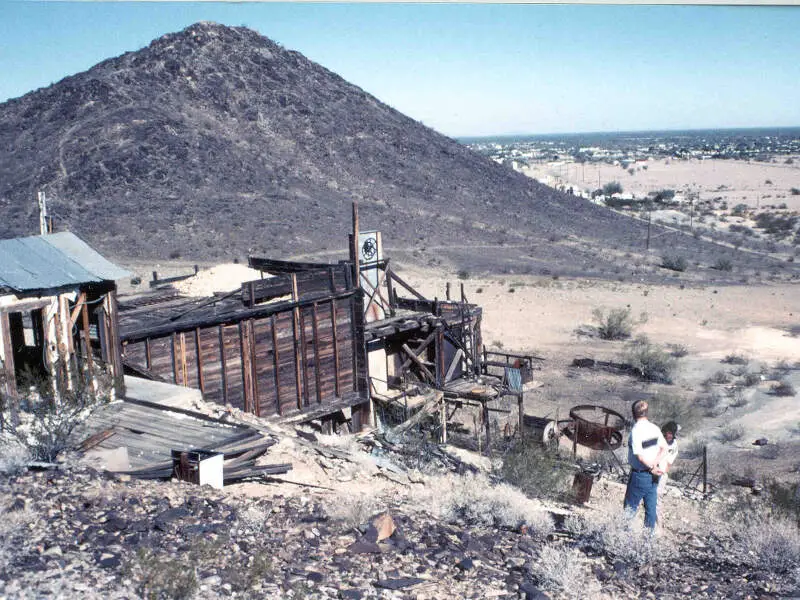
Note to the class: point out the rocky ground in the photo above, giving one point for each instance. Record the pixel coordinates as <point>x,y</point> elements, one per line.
<point>76,532</point>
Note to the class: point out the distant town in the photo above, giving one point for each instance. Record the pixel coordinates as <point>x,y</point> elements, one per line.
<point>743,144</point>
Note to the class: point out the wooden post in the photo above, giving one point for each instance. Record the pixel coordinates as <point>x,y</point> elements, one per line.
<point>487,427</point>
<point>705,469</point>
<point>116,346</point>
<point>276,365</point>
<point>254,366</point>
<point>315,332</point>
<point>200,378</point>
<point>174,353</point>
<point>148,358</point>
<point>447,291</point>
<point>295,334</point>
<point>8,365</point>
<point>222,363</point>
<point>244,360</point>
<point>336,385</point>
<point>575,426</point>
<point>87,340</point>
<point>184,369</point>
<point>304,356</point>
<point>521,405</point>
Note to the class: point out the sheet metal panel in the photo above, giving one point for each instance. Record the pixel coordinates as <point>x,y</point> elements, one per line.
<point>52,261</point>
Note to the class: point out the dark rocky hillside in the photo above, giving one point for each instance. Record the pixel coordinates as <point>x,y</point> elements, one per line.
<point>215,141</point>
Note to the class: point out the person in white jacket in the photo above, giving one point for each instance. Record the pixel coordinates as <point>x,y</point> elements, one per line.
<point>670,432</point>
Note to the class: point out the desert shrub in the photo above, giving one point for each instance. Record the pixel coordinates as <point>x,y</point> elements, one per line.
<point>669,407</point>
<point>719,377</point>
<point>767,542</point>
<point>475,499</point>
<point>770,451</point>
<point>723,264</point>
<point>783,388</point>
<point>136,280</point>
<point>783,499</point>
<point>49,412</point>
<point>743,229</point>
<point>463,274</point>
<point>751,379</point>
<point>738,399</point>
<point>649,361</point>
<point>538,471</point>
<point>479,290</point>
<point>612,187</point>
<point>158,577</point>
<point>352,510</point>
<point>560,570</point>
<point>739,210</point>
<point>14,457</point>
<point>678,350</point>
<point>730,433</point>
<point>618,535</point>
<point>674,262</point>
<point>693,448</point>
<point>712,403</point>
<point>616,325</point>
<point>13,528</point>
<point>795,191</point>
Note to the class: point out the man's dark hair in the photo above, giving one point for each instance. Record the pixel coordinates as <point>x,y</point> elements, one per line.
<point>670,427</point>
<point>639,409</point>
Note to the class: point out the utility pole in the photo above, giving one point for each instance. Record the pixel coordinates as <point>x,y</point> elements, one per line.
<point>649,219</point>
<point>43,228</point>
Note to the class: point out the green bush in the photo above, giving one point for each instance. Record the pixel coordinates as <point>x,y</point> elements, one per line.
<point>669,407</point>
<point>730,433</point>
<point>674,262</point>
<point>612,187</point>
<point>783,388</point>
<point>616,325</point>
<point>538,471</point>
<point>650,362</point>
<point>723,264</point>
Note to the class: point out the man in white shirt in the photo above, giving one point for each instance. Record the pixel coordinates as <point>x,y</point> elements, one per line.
<point>646,446</point>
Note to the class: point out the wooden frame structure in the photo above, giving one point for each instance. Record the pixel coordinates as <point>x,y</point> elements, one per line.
<point>58,313</point>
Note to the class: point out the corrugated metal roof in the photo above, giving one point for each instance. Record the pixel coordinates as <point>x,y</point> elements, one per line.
<point>52,261</point>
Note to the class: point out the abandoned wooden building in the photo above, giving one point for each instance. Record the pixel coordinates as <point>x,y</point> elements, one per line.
<point>58,311</point>
<point>314,341</point>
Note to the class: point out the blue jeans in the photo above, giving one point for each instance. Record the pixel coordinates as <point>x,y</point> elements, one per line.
<point>642,487</point>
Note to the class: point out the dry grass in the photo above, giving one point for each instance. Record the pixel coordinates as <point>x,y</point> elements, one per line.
<point>475,499</point>
<point>352,510</point>
<point>561,571</point>
<point>621,537</point>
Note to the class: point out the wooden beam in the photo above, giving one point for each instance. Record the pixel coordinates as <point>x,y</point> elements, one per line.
<point>244,360</point>
<point>184,369</point>
<point>254,366</point>
<point>315,331</point>
<point>420,349</point>
<point>199,357</point>
<point>304,357</point>
<point>8,366</point>
<point>295,335</point>
<point>416,361</point>
<point>336,382</point>
<point>73,318</point>
<point>224,372</point>
<point>174,352</point>
<point>415,293</point>
<point>275,365</point>
<point>88,342</point>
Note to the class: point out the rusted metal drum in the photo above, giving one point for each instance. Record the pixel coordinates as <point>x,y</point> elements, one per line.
<point>595,427</point>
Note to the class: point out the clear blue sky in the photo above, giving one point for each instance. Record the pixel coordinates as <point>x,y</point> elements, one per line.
<point>472,69</point>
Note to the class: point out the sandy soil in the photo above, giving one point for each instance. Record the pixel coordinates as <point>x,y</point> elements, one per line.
<point>542,316</point>
<point>752,183</point>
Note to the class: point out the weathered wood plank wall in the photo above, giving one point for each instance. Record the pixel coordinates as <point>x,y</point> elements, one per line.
<point>250,364</point>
